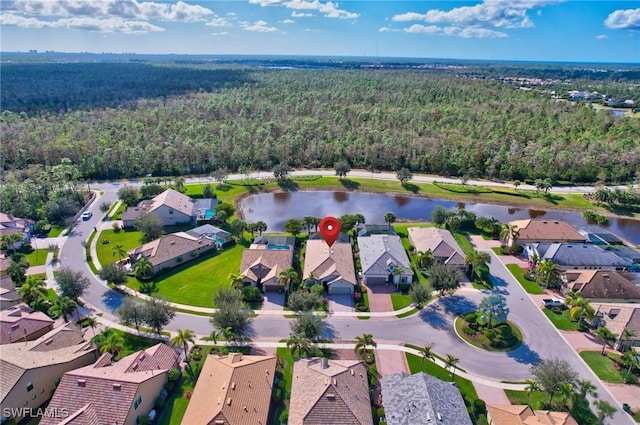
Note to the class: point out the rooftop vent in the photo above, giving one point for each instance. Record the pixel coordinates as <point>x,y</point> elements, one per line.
<point>324,363</point>
<point>233,385</point>
<point>117,387</point>
<point>229,401</point>
<point>439,416</point>
<point>82,382</point>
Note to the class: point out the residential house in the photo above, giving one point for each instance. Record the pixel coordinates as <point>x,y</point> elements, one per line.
<point>544,231</point>
<point>22,226</point>
<point>22,323</point>
<point>171,250</point>
<point>578,256</point>
<point>264,260</point>
<point>4,264</point>
<point>108,392</point>
<point>219,236</point>
<point>326,392</point>
<point>171,206</point>
<point>617,319</point>
<point>421,399</point>
<point>384,260</point>
<point>31,371</point>
<point>440,242</point>
<point>602,286</point>
<point>331,266</point>
<point>8,295</point>
<point>232,390</point>
<point>523,415</point>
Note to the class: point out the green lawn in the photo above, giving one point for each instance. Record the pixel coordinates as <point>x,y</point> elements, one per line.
<point>286,380</point>
<point>483,343</point>
<point>521,397</point>
<point>603,366</point>
<point>175,405</point>
<point>117,214</point>
<point>132,342</point>
<point>561,319</point>
<point>463,240</point>
<point>530,287</point>
<point>55,231</point>
<point>195,282</point>
<point>38,257</point>
<point>400,301</point>
<point>129,239</point>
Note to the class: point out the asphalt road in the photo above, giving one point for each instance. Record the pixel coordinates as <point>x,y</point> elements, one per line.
<point>432,326</point>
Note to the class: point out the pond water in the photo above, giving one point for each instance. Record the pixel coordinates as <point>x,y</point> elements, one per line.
<point>275,208</point>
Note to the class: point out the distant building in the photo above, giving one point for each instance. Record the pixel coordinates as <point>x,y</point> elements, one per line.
<point>578,256</point>
<point>22,226</point>
<point>171,206</point>
<point>601,286</point>
<point>22,323</point>
<point>332,267</point>
<point>617,319</point>
<point>523,415</point>
<point>31,371</point>
<point>219,236</point>
<point>109,392</point>
<point>232,390</point>
<point>265,259</point>
<point>329,392</point>
<point>8,295</point>
<point>421,399</point>
<point>544,231</point>
<point>440,242</point>
<point>384,260</point>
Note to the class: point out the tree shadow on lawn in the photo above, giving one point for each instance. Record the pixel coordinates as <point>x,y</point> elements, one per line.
<point>288,184</point>
<point>413,188</point>
<point>524,354</point>
<point>350,184</point>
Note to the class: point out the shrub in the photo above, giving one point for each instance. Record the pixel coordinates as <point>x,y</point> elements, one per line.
<point>467,330</point>
<point>380,412</point>
<point>251,293</point>
<point>480,406</point>
<point>174,374</point>
<point>158,402</point>
<point>276,395</point>
<point>490,334</point>
<point>284,416</point>
<point>169,386</point>
<point>471,318</point>
<point>506,332</point>
<point>116,227</point>
<point>144,420</point>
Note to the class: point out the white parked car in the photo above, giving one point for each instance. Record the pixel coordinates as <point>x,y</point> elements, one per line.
<point>552,302</point>
<point>86,215</point>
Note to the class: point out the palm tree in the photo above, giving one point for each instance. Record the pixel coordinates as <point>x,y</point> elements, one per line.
<point>63,306</point>
<point>228,334</point>
<point>532,386</point>
<point>627,334</point>
<point>605,410</point>
<point>310,220</point>
<point>630,361</point>
<point>183,337</point>
<point>287,278</point>
<point>451,361</point>
<point>261,226</point>
<point>118,250</point>
<point>427,353</point>
<point>548,272</point>
<point>566,392</point>
<point>606,336</point>
<point>143,269</point>
<point>362,346</point>
<point>571,297</point>
<point>389,217</point>
<point>113,344</point>
<point>214,336</point>
<point>424,259</point>
<point>9,241</point>
<point>237,280</point>
<point>509,232</point>
<point>17,270</point>
<point>585,388</point>
<point>92,323</point>
<point>477,261</point>
<point>298,343</point>
<point>582,309</point>
<point>32,290</point>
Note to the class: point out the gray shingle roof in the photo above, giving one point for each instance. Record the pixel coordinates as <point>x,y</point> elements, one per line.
<point>579,255</point>
<point>208,230</point>
<point>422,399</point>
<point>380,252</point>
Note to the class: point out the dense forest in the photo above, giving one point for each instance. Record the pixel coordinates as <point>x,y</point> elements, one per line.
<point>128,119</point>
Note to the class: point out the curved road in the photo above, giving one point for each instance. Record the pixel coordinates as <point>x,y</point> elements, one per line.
<point>432,326</point>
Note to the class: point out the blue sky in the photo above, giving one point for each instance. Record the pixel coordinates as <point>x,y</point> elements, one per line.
<point>544,30</point>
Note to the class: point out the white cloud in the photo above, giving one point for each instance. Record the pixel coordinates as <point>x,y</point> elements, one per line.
<point>108,25</point>
<point>220,33</point>
<point>218,22</point>
<point>421,29</point>
<point>288,21</point>
<point>454,31</point>
<point>295,14</point>
<point>259,26</point>
<point>602,37</point>
<point>328,8</point>
<point>623,19</point>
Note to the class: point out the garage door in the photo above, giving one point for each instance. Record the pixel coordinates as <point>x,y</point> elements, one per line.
<point>376,280</point>
<point>340,290</point>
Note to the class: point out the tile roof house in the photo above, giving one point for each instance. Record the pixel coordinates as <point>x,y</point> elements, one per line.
<point>523,415</point>
<point>4,264</point>
<point>601,286</point>
<point>326,392</point>
<point>108,393</point>
<point>440,242</point>
<point>421,399</point>
<point>10,224</point>
<point>617,319</point>
<point>171,206</point>
<point>380,257</point>
<point>22,323</point>
<point>262,264</point>
<point>171,250</point>
<point>332,266</point>
<point>232,390</point>
<point>219,236</point>
<point>31,371</point>
<point>544,231</point>
<point>8,294</point>
<point>579,256</point>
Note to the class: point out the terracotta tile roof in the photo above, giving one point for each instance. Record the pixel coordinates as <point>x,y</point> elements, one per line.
<point>329,392</point>
<point>258,262</point>
<point>109,388</point>
<point>546,230</point>
<point>4,264</point>
<point>20,321</point>
<point>170,198</point>
<point>232,390</point>
<point>599,284</point>
<point>86,415</point>
<point>333,263</point>
<point>169,247</point>
<point>63,336</point>
<point>618,318</point>
<point>440,241</point>
<point>8,291</point>
<point>523,415</point>
<point>10,224</point>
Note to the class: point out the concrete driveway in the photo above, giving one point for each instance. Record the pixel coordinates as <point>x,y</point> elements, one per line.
<point>273,301</point>
<point>340,302</point>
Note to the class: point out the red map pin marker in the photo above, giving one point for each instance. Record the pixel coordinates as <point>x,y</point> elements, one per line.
<point>329,229</point>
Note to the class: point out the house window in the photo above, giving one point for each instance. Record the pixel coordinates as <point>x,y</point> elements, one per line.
<point>137,402</point>
<point>170,211</point>
<point>29,386</point>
